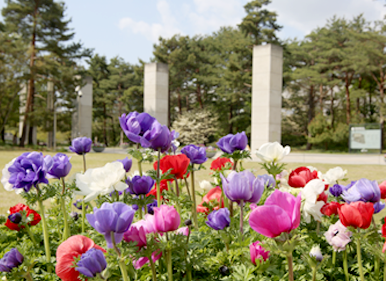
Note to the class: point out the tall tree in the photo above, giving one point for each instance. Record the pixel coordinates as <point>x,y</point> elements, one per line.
<point>42,24</point>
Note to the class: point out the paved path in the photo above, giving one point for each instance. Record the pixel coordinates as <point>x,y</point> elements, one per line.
<point>357,159</point>
<point>294,157</point>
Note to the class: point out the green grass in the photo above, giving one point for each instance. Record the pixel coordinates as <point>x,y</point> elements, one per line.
<point>354,172</point>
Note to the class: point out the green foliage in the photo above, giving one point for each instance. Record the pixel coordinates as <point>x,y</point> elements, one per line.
<point>321,134</point>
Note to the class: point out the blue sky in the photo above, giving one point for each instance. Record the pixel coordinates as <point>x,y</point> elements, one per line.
<point>129,28</point>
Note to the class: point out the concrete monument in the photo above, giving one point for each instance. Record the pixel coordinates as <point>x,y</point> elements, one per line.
<point>82,116</point>
<point>156,91</point>
<point>267,72</point>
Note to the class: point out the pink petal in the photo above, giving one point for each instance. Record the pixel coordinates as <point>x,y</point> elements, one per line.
<point>270,221</point>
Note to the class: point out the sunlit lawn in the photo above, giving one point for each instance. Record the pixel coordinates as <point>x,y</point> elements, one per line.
<point>8,199</point>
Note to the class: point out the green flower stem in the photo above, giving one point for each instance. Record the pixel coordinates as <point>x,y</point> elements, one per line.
<point>158,180</point>
<point>377,262</point>
<point>143,196</point>
<point>66,230</point>
<point>194,208</point>
<point>28,276</point>
<point>384,272</point>
<point>177,187</point>
<point>333,258</point>
<point>318,228</point>
<point>241,218</point>
<point>83,214</point>
<point>45,232</point>
<point>122,265</point>
<point>345,267</point>
<point>290,267</point>
<point>140,167</point>
<point>140,212</point>
<point>188,265</point>
<point>84,163</point>
<point>235,165</point>
<point>170,265</point>
<point>187,188</point>
<point>359,256</point>
<point>314,273</point>
<point>31,235</point>
<point>152,266</point>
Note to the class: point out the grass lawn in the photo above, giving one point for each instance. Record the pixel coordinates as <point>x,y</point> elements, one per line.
<point>354,172</point>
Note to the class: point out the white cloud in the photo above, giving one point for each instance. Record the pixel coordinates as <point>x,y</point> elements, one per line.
<point>209,15</point>
<point>167,28</point>
<point>302,16</point>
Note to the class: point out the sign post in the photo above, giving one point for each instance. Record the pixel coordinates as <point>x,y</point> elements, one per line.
<point>365,137</point>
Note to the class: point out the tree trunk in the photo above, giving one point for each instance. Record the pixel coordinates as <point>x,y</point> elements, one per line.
<point>31,83</point>
<point>179,101</point>
<point>104,125</point>
<point>311,111</point>
<point>230,120</point>
<point>199,96</point>
<point>348,106</point>
<point>332,108</point>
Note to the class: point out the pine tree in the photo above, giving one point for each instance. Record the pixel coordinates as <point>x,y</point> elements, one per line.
<point>42,25</point>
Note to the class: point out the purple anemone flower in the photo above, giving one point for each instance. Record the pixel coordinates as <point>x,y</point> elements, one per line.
<point>127,163</point>
<point>60,165</point>
<point>219,219</point>
<point>110,219</point>
<point>243,186</point>
<point>336,190</point>
<point>135,124</point>
<point>91,263</point>
<point>10,260</point>
<point>197,155</point>
<point>362,190</point>
<point>269,181</point>
<point>157,138</point>
<point>230,143</point>
<point>29,169</point>
<point>81,145</point>
<point>140,185</point>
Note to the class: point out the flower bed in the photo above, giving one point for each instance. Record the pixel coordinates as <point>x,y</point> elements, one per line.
<point>301,225</point>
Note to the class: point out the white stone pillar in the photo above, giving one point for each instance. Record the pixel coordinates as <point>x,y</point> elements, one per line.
<point>82,116</point>
<point>156,91</point>
<point>267,73</point>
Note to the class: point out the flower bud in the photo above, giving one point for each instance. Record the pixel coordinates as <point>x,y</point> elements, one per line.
<point>317,253</point>
<point>188,222</point>
<point>15,218</point>
<point>224,271</point>
<point>74,215</point>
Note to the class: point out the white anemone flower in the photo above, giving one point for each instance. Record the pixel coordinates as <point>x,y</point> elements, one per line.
<point>101,181</point>
<point>272,152</point>
<point>205,185</point>
<point>5,178</point>
<point>310,194</point>
<point>334,174</point>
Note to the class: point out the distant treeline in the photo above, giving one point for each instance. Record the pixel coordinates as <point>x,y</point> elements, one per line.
<point>333,77</point>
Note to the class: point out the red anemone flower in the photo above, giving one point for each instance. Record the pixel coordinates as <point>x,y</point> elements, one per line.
<point>220,163</point>
<point>178,163</point>
<point>356,214</point>
<point>213,196</point>
<point>163,186</point>
<point>331,208</point>
<point>32,215</point>
<point>300,176</point>
<point>71,248</point>
<point>382,187</point>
